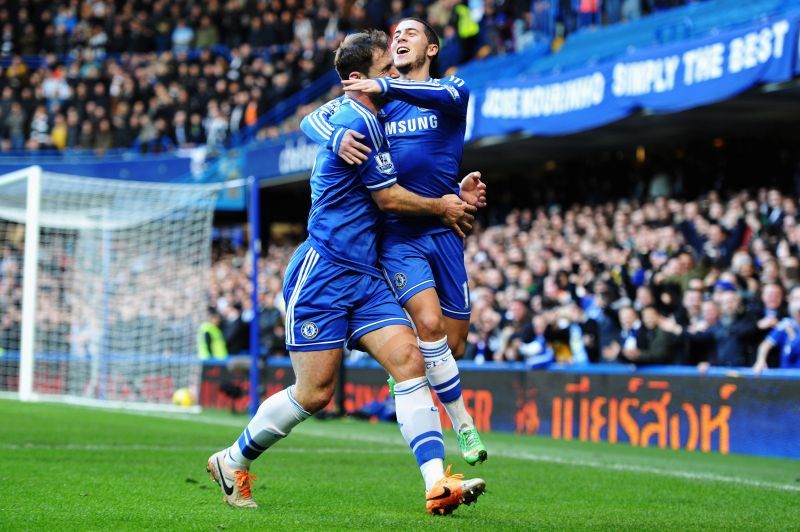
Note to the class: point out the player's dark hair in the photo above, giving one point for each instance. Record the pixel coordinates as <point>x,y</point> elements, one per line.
<point>433,38</point>
<point>356,52</point>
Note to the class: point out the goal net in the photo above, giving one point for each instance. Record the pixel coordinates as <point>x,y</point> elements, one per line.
<point>103,284</point>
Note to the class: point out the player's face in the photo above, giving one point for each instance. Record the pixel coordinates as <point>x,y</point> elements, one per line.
<point>410,47</point>
<point>382,65</point>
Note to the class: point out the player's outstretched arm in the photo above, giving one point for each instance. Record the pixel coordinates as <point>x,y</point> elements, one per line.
<point>449,95</point>
<point>473,190</point>
<point>450,209</point>
<point>379,175</point>
<point>342,141</point>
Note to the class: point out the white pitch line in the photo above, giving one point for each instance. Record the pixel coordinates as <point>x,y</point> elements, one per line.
<point>532,457</point>
<point>627,468</point>
<point>196,448</point>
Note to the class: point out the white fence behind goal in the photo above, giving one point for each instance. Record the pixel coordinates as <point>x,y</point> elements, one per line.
<point>103,284</point>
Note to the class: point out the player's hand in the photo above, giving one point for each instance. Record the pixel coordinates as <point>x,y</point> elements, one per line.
<point>454,212</point>
<point>465,223</point>
<point>367,86</point>
<point>351,150</point>
<point>473,190</point>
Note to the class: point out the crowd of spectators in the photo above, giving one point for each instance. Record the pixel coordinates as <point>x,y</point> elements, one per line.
<point>154,76</point>
<point>655,282</point>
<point>658,281</point>
<point>230,293</point>
<point>145,308</point>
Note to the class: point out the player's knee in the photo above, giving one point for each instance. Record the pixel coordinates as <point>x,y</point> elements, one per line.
<point>430,326</point>
<point>314,398</point>
<point>407,362</point>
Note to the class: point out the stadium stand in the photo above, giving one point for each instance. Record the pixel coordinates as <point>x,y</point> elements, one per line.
<point>155,76</point>
<point>199,73</point>
<point>642,281</point>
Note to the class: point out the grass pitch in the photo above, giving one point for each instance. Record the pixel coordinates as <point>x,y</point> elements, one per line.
<point>70,468</point>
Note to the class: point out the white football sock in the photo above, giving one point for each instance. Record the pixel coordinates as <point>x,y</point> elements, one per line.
<point>276,417</point>
<point>442,372</point>
<point>419,423</point>
<point>432,472</point>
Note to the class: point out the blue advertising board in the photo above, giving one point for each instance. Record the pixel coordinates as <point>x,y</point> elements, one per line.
<point>667,79</point>
<point>670,407</point>
<point>289,155</point>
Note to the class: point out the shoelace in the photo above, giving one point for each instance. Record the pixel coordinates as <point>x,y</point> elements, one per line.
<point>469,437</point>
<point>243,479</point>
<point>454,475</point>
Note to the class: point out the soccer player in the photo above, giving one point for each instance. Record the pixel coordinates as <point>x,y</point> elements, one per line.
<point>423,261</point>
<point>337,296</point>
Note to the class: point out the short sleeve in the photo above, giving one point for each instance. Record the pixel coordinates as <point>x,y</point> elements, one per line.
<point>379,170</point>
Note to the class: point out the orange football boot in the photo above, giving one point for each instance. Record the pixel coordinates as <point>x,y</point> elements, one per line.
<point>451,492</point>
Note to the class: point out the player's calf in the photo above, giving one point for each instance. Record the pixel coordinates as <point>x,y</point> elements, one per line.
<point>442,372</point>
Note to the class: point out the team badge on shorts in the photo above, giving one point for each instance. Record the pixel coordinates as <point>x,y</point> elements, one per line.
<point>309,330</point>
<point>400,280</point>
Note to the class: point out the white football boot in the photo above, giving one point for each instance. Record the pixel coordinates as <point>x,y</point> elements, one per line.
<point>234,483</point>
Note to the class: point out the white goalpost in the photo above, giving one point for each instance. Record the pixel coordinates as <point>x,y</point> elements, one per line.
<point>103,284</point>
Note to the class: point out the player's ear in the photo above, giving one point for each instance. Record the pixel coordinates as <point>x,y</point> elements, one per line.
<point>433,50</point>
<point>356,75</point>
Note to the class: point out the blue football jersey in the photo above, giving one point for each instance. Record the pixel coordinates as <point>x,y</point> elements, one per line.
<point>344,222</point>
<point>425,124</point>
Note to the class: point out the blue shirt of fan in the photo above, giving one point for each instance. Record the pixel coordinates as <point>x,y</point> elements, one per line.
<point>425,124</point>
<point>344,222</point>
<point>786,336</point>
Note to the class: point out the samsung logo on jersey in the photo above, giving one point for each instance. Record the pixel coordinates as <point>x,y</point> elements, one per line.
<point>414,124</point>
